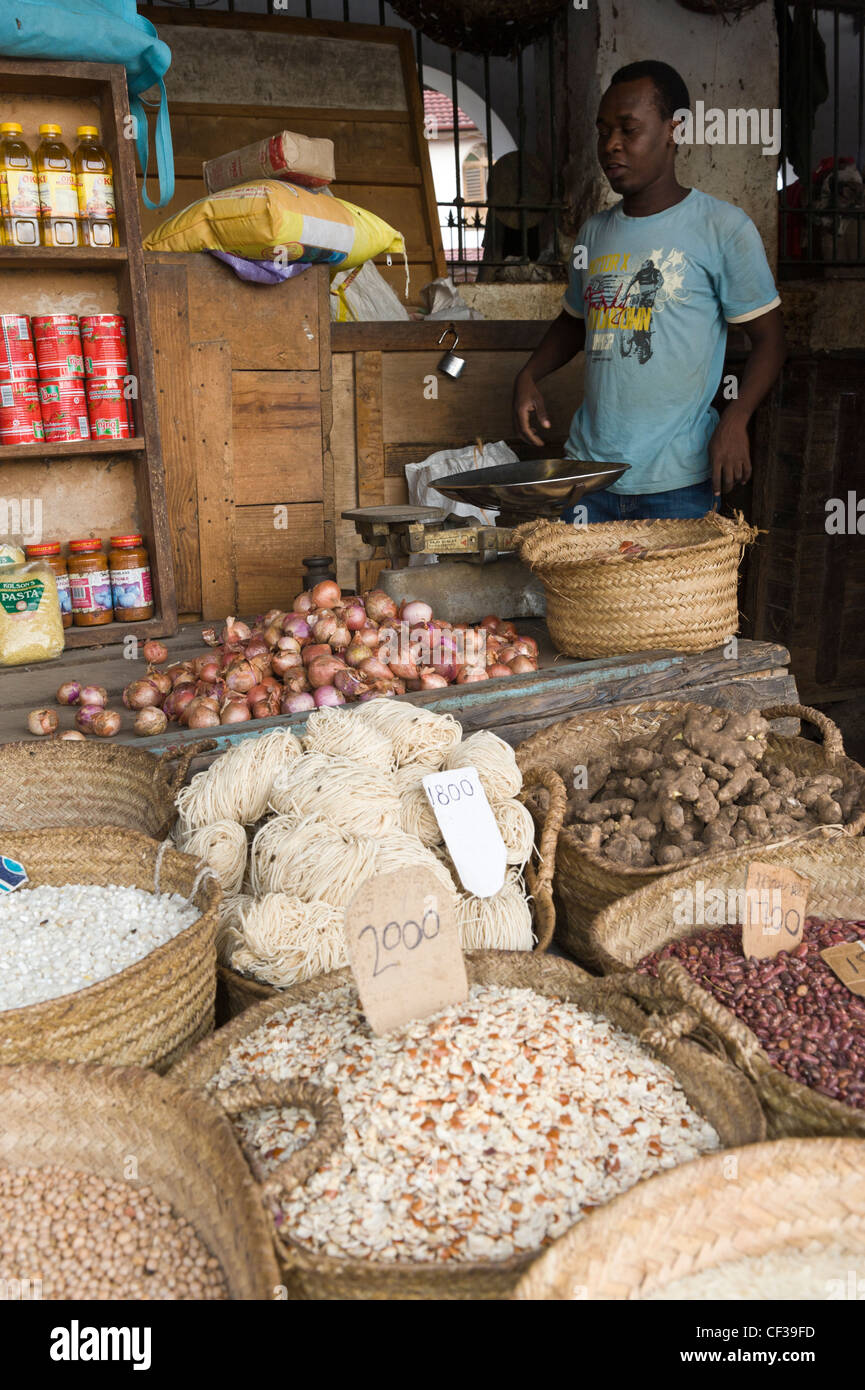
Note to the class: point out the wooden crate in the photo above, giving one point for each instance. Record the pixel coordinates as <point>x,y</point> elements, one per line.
<point>103,486</point>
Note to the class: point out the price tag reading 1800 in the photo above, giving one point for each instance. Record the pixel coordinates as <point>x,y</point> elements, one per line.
<point>404,947</point>
<point>469,829</point>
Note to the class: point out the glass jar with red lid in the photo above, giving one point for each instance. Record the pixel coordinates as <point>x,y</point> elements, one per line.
<point>90,582</point>
<point>131,585</point>
<point>50,552</point>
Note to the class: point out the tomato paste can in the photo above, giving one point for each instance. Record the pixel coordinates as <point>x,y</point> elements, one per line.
<point>57,340</point>
<point>20,413</point>
<point>64,409</point>
<point>103,339</point>
<point>107,408</point>
<point>17,357</point>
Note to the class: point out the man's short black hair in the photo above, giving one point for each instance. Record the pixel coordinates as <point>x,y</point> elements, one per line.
<point>670,90</point>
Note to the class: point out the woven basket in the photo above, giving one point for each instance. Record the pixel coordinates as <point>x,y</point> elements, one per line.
<point>236,992</point>
<point>152,1012</point>
<point>801,1194</point>
<point>91,1119</point>
<point>723,8</point>
<point>715,1088</point>
<point>63,783</point>
<point>494,27</point>
<point>683,596</point>
<point>587,882</point>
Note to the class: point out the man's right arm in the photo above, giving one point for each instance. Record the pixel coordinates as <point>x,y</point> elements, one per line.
<point>565,337</point>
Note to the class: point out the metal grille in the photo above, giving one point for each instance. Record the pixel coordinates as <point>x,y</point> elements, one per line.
<point>822,79</point>
<point>517,104</point>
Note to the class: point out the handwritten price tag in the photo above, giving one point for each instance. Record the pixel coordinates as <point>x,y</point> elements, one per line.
<point>404,948</point>
<point>775,903</point>
<point>847,961</point>
<point>469,829</point>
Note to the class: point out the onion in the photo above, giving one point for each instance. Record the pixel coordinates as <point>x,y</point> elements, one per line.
<point>350,683</point>
<point>241,676</point>
<point>273,617</point>
<point>201,704</point>
<point>232,712</point>
<point>304,603</point>
<point>234,633</point>
<point>180,673</point>
<point>447,670</point>
<point>327,695</point>
<point>497,670</point>
<point>106,723</point>
<point>324,627</point>
<point>93,695</point>
<point>155,652</point>
<point>431,680</point>
<point>521,665</point>
<point>490,623</point>
<point>322,671</point>
<point>209,637</point>
<point>257,646</point>
<point>355,616</point>
<point>297,704</point>
<point>415,612</point>
<point>207,670</point>
<point>272,634</point>
<point>297,683</point>
<point>467,674</point>
<point>68,693</point>
<point>257,693</point>
<point>507,630</point>
<point>271,682</point>
<point>357,652</point>
<point>85,716</point>
<point>313,650</point>
<point>440,622</point>
<point>340,638</point>
<point>71,736</point>
<point>149,722</point>
<point>474,646</point>
<point>376,669</point>
<point>161,681</point>
<point>42,721</point>
<point>507,653</point>
<point>286,661</point>
<point>178,701</point>
<point>296,626</point>
<point>326,594</point>
<point>379,606</point>
<point>203,718</point>
<point>139,695</point>
<point>405,670</point>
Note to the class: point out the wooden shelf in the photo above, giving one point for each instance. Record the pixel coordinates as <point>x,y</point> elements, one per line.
<point>115,632</point>
<point>76,448</point>
<point>59,258</point>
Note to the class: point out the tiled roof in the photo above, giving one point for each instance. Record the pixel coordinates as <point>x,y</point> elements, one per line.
<point>439,108</point>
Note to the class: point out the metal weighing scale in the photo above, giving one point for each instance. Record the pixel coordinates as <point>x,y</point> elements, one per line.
<point>497,581</point>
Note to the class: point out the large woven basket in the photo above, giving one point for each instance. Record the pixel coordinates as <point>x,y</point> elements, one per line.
<point>236,992</point>
<point>643,923</point>
<point>152,1012</point>
<point>715,1088</point>
<point>587,882</point>
<point>65,783</point>
<point>797,1194</point>
<point>91,1119</point>
<point>682,596</point>
<point>494,27</point>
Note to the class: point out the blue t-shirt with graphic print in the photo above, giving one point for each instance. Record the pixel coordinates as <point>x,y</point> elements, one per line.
<point>657,294</point>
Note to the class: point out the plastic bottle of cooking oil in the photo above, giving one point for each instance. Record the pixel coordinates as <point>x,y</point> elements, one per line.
<point>58,190</point>
<point>19,192</point>
<point>95,177</point>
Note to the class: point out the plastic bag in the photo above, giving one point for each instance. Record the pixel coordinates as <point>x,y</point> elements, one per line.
<point>31,626</point>
<point>444,301</point>
<point>420,477</point>
<point>363,296</point>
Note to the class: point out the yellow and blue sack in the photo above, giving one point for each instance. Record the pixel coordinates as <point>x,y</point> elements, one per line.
<point>269,220</point>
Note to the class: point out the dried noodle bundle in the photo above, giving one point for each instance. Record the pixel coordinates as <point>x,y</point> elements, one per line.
<point>500,923</point>
<point>417,817</point>
<point>237,786</point>
<point>495,761</point>
<point>284,941</point>
<point>347,795</point>
<point>419,737</point>
<point>222,845</point>
<point>340,734</point>
<point>517,828</point>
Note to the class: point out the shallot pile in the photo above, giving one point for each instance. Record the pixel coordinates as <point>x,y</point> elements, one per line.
<point>329,650</point>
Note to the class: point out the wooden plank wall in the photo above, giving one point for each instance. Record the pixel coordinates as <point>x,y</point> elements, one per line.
<point>390,408</point>
<point>382,159</point>
<point>244,391</point>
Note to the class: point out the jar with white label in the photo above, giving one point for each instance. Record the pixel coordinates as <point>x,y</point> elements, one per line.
<point>131,586</point>
<point>90,582</point>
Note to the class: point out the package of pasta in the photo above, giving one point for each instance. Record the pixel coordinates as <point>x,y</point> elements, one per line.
<point>31,626</point>
<point>289,157</point>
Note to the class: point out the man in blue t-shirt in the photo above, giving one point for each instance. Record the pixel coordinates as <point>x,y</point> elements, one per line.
<point>653,284</point>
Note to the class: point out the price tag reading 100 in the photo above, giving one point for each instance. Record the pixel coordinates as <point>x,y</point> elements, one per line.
<point>469,829</point>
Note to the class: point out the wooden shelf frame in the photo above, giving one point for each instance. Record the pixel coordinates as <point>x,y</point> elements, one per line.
<point>105,84</point>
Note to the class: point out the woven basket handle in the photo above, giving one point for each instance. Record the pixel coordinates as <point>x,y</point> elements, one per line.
<point>175,779</point>
<point>678,982</point>
<point>329,1132</point>
<point>833,743</point>
<point>663,1029</point>
<point>540,881</point>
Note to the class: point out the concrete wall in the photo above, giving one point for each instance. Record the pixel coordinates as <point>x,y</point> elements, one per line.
<point>725,65</point>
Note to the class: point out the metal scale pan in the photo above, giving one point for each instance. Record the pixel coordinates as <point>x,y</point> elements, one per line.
<point>534,488</point>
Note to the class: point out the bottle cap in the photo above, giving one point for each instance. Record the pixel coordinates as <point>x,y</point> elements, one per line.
<point>48,548</point>
<point>50,129</point>
<point>81,547</point>
<point>87,130</point>
<point>10,128</point>
<point>121,541</point>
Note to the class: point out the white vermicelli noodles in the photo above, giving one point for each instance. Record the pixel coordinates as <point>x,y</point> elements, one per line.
<point>517,830</point>
<point>418,736</point>
<point>339,733</point>
<point>500,923</point>
<point>346,794</point>
<point>417,817</point>
<point>222,845</point>
<point>283,941</point>
<point>237,785</point>
<point>495,761</point>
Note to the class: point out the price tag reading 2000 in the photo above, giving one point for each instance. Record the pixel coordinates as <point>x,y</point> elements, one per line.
<point>404,948</point>
<point>469,829</point>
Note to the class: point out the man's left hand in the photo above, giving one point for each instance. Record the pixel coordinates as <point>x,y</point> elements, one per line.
<point>730,452</point>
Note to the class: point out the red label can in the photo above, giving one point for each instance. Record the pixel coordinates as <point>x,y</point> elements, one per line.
<point>64,409</point>
<point>107,408</point>
<point>20,413</point>
<point>103,340</point>
<point>17,358</point>
<point>57,340</point>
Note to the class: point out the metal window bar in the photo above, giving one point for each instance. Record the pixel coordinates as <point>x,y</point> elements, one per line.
<point>820,226</point>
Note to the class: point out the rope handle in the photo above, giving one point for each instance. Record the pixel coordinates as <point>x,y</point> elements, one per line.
<point>540,881</point>
<point>184,755</point>
<point>833,743</point>
<point>675,980</point>
<point>329,1131</point>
